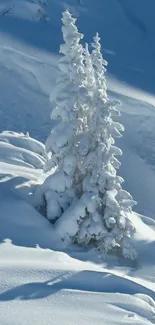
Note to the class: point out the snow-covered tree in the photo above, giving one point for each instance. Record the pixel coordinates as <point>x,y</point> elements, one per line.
<point>85,193</point>
<point>112,204</point>
<point>69,110</point>
<point>79,2</point>
<point>68,142</point>
<point>42,12</point>
<point>101,216</point>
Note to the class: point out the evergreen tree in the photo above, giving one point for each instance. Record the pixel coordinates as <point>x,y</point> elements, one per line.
<point>42,12</point>
<point>68,142</point>
<point>101,215</point>
<point>85,193</point>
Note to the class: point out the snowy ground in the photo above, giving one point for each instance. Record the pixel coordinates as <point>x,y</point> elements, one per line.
<point>40,280</point>
<point>43,282</point>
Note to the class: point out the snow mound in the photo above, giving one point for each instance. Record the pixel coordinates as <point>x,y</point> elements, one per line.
<point>21,150</point>
<point>23,141</point>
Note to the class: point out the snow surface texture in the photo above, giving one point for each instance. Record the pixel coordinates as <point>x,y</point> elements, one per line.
<point>40,282</point>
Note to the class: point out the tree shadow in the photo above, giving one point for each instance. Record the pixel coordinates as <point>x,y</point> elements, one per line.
<point>89,281</point>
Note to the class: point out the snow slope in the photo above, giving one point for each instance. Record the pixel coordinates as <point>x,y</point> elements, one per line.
<point>28,54</point>
<point>126,27</point>
<point>43,282</point>
<point>40,280</point>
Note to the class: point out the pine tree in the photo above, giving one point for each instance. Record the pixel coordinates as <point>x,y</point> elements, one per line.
<point>113,204</point>
<point>101,214</point>
<point>84,195</point>
<point>41,12</point>
<point>69,142</point>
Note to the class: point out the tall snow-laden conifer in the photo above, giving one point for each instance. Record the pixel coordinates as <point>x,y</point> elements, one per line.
<point>101,215</point>
<point>68,142</point>
<point>85,193</point>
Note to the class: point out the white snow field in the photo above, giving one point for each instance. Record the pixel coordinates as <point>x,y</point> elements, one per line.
<point>41,280</point>
<point>45,283</point>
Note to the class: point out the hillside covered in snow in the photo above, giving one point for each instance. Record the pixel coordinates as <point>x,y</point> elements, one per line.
<point>41,280</point>
<point>29,54</point>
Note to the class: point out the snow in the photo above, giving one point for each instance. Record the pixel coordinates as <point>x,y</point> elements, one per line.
<point>60,135</point>
<point>36,72</point>
<point>24,157</point>
<point>23,140</point>
<point>42,281</point>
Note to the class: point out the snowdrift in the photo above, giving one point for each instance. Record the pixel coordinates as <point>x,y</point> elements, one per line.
<point>12,154</point>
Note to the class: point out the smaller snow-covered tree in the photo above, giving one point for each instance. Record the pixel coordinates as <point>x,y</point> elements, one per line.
<point>42,12</point>
<point>79,2</point>
<point>112,203</point>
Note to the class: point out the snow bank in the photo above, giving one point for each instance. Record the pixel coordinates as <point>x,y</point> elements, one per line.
<point>23,141</point>
<point>11,154</point>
